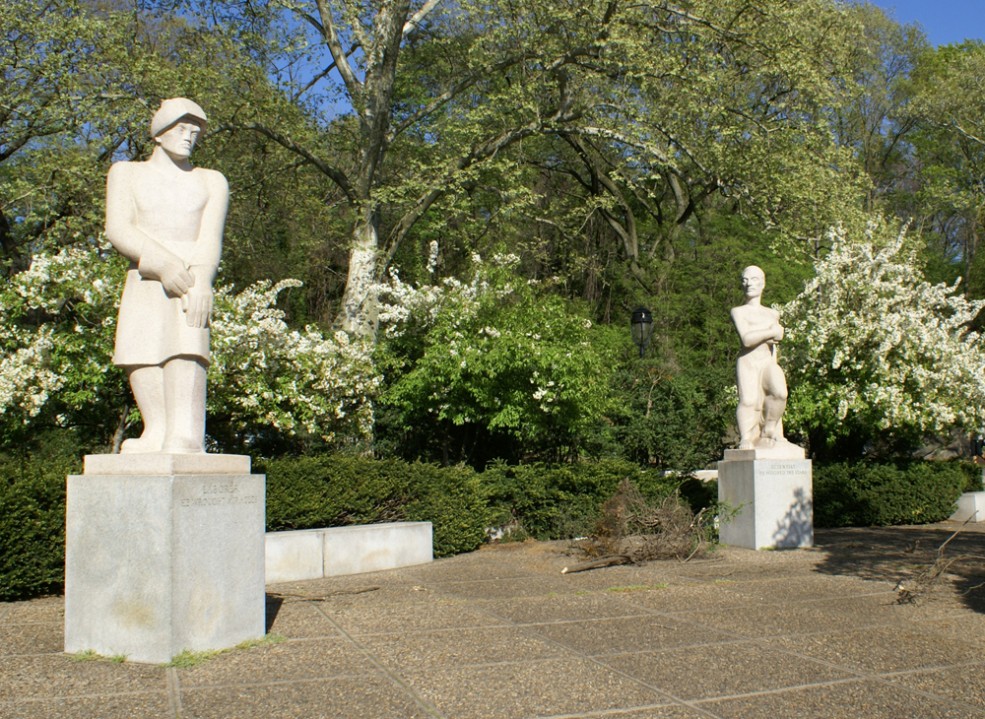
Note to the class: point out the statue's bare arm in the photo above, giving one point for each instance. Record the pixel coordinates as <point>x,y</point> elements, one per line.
<point>751,333</point>
<point>198,300</point>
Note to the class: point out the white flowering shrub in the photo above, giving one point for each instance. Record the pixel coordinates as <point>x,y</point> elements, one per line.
<point>266,375</point>
<point>57,320</point>
<point>491,356</point>
<point>874,349</point>
<point>57,325</point>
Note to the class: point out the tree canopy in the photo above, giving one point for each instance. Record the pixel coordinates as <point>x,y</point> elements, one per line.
<point>623,153</point>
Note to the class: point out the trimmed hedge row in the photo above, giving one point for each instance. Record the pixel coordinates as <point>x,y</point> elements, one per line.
<point>537,500</point>
<point>868,494</point>
<point>32,524</point>
<point>338,490</point>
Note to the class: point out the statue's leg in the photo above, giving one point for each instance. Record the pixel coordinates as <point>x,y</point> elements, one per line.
<point>147,383</point>
<point>748,415</point>
<point>184,391</point>
<point>775,387</point>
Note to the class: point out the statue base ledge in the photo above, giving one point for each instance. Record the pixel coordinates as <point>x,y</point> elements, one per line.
<point>161,464</point>
<point>781,450</point>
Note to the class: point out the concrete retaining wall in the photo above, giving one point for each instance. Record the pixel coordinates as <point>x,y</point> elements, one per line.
<point>336,551</point>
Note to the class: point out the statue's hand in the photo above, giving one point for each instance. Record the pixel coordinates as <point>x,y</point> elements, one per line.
<point>198,307</point>
<point>176,279</point>
<point>159,264</point>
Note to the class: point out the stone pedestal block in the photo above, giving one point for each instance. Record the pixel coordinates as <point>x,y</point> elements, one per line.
<point>164,553</point>
<point>773,498</point>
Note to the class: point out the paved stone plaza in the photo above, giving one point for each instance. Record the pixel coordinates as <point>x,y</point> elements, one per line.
<point>502,634</point>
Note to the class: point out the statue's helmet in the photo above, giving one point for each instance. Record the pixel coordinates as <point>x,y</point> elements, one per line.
<point>173,110</point>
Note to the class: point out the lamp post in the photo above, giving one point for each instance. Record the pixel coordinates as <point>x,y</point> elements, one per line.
<point>641,324</point>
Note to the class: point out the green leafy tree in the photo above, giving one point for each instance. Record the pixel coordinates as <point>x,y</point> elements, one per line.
<point>949,206</point>
<point>468,109</point>
<point>494,368</point>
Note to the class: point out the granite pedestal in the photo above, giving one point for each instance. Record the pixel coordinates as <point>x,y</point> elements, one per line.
<point>164,553</point>
<point>771,489</point>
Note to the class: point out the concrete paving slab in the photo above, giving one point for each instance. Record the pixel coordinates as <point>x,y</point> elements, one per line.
<point>561,608</point>
<point>954,627</point>
<point>359,698</point>
<point>44,609</point>
<point>865,611</point>
<point>505,588</point>
<point>154,705</point>
<point>766,621</point>
<point>868,699</point>
<point>683,595</point>
<point>807,587</point>
<point>714,670</point>
<point>653,712</point>
<point>531,689</point>
<point>882,650</point>
<point>297,619</point>
<point>43,638</point>
<point>304,660</point>
<point>438,612</point>
<point>617,636</point>
<point>963,683</point>
<point>454,648</point>
<point>50,676</point>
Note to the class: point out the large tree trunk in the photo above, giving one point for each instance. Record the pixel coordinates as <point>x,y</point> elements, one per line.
<point>359,303</point>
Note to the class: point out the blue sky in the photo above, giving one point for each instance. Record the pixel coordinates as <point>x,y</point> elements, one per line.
<point>943,21</point>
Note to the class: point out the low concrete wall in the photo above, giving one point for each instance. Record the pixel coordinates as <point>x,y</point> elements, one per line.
<point>336,551</point>
<point>970,508</point>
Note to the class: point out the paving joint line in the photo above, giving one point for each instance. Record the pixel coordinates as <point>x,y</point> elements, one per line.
<point>174,693</point>
<point>398,681</point>
<point>676,701</point>
<point>885,678</point>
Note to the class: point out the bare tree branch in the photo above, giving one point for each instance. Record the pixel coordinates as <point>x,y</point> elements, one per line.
<point>332,172</point>
<point>341,58</point>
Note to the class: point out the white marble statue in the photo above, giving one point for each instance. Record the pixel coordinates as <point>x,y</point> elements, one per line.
<point>762,386</point>
<point>167,218</point>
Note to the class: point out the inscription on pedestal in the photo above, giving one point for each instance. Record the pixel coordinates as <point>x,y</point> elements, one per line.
<point>218,494</point>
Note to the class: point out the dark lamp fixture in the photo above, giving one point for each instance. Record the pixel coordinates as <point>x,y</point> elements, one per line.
<point>641,324</point>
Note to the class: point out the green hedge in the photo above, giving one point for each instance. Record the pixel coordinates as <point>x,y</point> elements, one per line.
<point>537,500</point>
<point>338,490</point>
<point>562,501</point>
<point>32,523</point>
<point>870,494</point>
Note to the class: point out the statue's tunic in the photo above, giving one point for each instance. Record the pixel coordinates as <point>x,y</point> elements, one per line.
<point>152,326</point>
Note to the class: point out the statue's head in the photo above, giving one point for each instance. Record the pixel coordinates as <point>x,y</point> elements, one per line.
<point>175,110</point>
<point>753,281</point>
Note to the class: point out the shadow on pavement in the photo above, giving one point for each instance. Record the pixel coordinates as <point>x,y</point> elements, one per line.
<point>894,554</point>
<point>272,607</point>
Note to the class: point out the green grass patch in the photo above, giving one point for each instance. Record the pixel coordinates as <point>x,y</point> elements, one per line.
<point>188,659</point>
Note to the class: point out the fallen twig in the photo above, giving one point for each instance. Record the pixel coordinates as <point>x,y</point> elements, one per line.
<point>610,561</point>
<point>910,591</point>
<point>321,597</point>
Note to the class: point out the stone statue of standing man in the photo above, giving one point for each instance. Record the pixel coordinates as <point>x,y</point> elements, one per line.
<point>167,218</point>
<point>762,386</point>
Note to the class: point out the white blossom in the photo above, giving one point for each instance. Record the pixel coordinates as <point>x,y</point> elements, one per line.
<point>870,338</point>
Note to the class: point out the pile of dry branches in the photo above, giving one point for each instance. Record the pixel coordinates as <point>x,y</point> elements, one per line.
<point>633,530</point>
